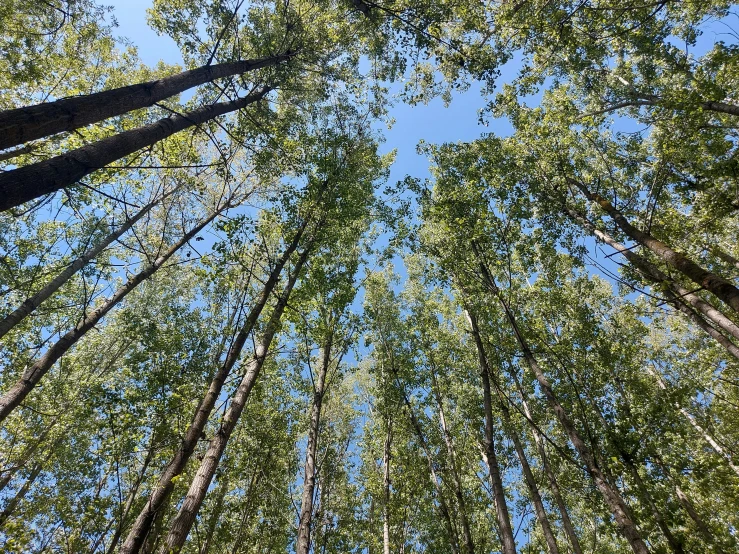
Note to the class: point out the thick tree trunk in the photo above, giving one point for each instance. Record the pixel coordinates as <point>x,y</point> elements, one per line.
<point>539,510</point>
<point>32,375</point>
<point>386,456</point>
<point>553,485</point>
<point>34,301</point>
<point>508,542</point>
<point>679,296</point>
<point>309,481</point>
<point>12,504</point>
<point>32,181</point>
<point>611,495</point>
<point>719,286</point>
<point>141,527</point>
<point>458,491</point>
<point>185,518</point>
<point>42,120</point>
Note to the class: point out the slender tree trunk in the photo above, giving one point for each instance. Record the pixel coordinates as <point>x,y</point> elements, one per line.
<point>680,297</point>
<point>185,518</point>
<point>33,374</point>
<point>20,495</point>
<point>386,487</point>
<point>309,482</point>
<point>507,540</point>
<point>541,514</point>
<point>719,286</point>
<point>67,114</point>
<point>26,456</point>
<point>458,492</point>
<point>131,498</point>
<point>139,531</point>
<point>443,507</point>
<point>705,434</point>
<point>32,181</point>
<point>722,255</point>
<point>553,485</point>
<point>611,495</point>
<point>33,302</point>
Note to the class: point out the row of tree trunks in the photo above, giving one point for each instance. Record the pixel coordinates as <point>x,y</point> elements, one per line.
<point>38,179</point>
<point>611,495</point>
<point>21,125</point>
<point>142,526</point>
<point>183,521</point>
<point>33,374</point>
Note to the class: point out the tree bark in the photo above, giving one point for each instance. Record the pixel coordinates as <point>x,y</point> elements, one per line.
<point>449,443</point>
<point>612,497</point>
<point>34,301</point>
<point>309,481</point>
<point>553,485</point>
<point>20,495</point>
<point>67,114</point>
<point>142,526</point>
<point>32,375</point>
<point>32,181</point>
<point>185,518</point>
<point>713,283</point>
<point>507,540</point>
<point>386,456</point>
<point>541,514</point>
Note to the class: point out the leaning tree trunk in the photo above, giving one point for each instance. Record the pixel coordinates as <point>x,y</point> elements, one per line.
<point>34,301</point>
<point>142,526</point>
<point>507,540</point>
<point>33,374</point>
<point>611,495</point>
<point>185,518</point>
<point>32,181</point>
<point>309,482</point>
<point>553,485</point>
<point>541,514</point>
<point>13,503</point>
<point>713,283</point>
<point>679,296</point>
<point>67,114</point>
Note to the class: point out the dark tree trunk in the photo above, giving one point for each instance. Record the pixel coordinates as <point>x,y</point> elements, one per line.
<point>42,120</point>
<point>32,181</point>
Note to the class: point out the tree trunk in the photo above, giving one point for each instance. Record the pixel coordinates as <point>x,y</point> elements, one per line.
<point>139,531</point>
<point>507,540</point>
<point>458,492</point>
<point>32,375</point>
<point>185,518</point>
<point>309,482</point>
<point>67,114</point>
<point>612,497</point>
<point>26,456</point>
<point>553,485</point>
<point>443,507</point>
<point>541,514</point>
<point>719,286</point>
<point>20,495</point>
<point>678,295</point>
<point>33,302</point>
<point>216,515</point>
<point>386,488</point>
<point>32,181</point>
